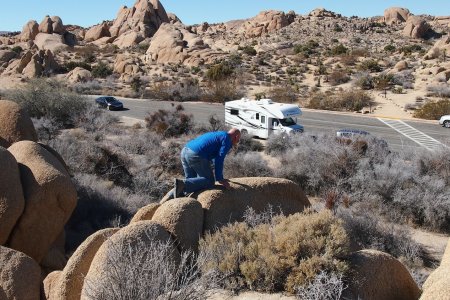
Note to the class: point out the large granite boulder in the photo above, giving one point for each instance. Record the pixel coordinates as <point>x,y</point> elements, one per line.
<point>183,219</point>
<point>145,213</point>
<point>69,283</point>
<point>11,195</point>
<point>96,32</point>
<point>6,56</point>
<point>54,42</point>
<point>144,17</point>
<point>15,124</point>
<point>416,28</point>
<point>79,75</point>
<point>396,15</point>
<point>437,285</point>
<point>29,31</point>
<point>225,206</point>
<point>266,22</point>
<point>440,47</point>
<point>20,276</point>
<point>50,197</point>
<point>378,275</point>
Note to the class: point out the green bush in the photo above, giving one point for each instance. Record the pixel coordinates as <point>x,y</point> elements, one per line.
<point>74,64</point>
<point>219,72</point>
<point>101,70</point>
<point>389,48</point>
<point>338,77</point>
<point>169,124</point>
<point>344,101</point>
<point>370,65</point>
<point>17,49</point>
<point>339,49</point>
<point>249,50</point>
<point>433,110</point>
<point>283,254</point>
<point>50,99</point>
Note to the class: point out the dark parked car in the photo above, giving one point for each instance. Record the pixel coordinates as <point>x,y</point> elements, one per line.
<point>109,103</point>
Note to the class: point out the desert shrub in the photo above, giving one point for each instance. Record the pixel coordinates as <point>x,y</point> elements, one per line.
<point>249,164</point>
<point>100,205</point>
<point>350,100</point>
<point>17,49</point>
<point>285,94</point>
<point>220,71</point>
<point>306,49</point>
<point>405,79</point>
<point>46,129</point>
<point>169,124</point>
<point>249,50</point>
<point>147,270</point>
<point>433,110</point>
<point>50,99</point>
<point>383,81</point>
<point>338,77</point>
<point>223,90</point>
<point>439,90</point>
<point>96,120</point>
<point>348,59</point>
<point>369,231</point>
<point>389,48</point>
<point>338,50</point>
<point>247,143</point>
<point>370,65</point>
<point>74,64</point>
<point>186,90</point>
<point>411,48</point>
<point>325,286</point>
<point>101,70</point>
<point>364,81</point>
<point>285,254</point>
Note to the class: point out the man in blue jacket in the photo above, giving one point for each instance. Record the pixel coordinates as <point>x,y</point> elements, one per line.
<point>197,156</point>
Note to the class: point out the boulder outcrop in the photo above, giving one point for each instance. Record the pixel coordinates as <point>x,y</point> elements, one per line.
<point>69,283</point>
<point>15,124</point>
<point>145,213</point>
<point>396,15</point>
<point>266,22</point>
<point>53,42</point>
<point>20,276</point>
<point>6,56</point>
<point>378,275</point>
<point>437,285</point>
<point>224,206</point>
<point>79,75</point>
<point>322,13</point>
<point>441,47</point>
<point>29,31</point>
<point>11,195</point>
<point>144,17</point>
<point>96,32</point>
<point>50,198</point>
<point>183,218</point>
<point>416,28</point>
<point>42,62</point>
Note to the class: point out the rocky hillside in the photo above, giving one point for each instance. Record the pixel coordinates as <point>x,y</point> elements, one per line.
<point>147,52</point>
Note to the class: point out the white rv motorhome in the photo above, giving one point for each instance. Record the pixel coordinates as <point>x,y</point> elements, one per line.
<point>262,118</point>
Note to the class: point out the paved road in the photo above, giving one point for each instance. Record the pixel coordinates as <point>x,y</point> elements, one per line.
<point>313,121</point>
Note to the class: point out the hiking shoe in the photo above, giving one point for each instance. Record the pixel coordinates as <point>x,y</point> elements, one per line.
<point>179,187</point>
<point>169,196</point>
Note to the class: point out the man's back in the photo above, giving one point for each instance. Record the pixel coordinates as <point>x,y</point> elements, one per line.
<point>211,144</point>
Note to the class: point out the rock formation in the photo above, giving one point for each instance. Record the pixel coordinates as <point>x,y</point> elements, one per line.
<point>20,276</point>
<point>378,275</point>
<point>416,28</point>
<point>68,283</point>
<point>53,42</point>
<point>96,32</point>
<point>29,31</point>
<point>145,213</point>
<point>396,15</point>
<point>225,206</point>
<point>50,198</point>
<point>11,195</point>
<point>441,47</point>
<point>15,124</point>
<point>321,13</point>
<point>437,285</point>
<point>79,75</point>
<point>266,22</point>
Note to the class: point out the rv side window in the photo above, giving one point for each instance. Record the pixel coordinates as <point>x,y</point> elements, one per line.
<point>257,116</point>
<point>263,119</point>
<point>234,112</point>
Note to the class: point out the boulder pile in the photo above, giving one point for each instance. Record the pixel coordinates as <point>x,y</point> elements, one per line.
<point>37,198</point>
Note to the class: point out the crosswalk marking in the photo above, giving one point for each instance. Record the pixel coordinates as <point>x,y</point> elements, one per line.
<point>415,135</point>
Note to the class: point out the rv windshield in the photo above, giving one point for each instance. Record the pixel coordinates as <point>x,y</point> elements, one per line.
<point>287,122</point>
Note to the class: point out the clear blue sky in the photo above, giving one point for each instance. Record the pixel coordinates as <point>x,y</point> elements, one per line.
<point>15,13</point>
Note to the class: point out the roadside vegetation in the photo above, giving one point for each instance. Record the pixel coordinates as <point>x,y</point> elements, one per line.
<point>360,187</point>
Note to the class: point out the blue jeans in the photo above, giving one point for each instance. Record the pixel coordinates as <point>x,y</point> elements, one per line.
<point>197,170</point>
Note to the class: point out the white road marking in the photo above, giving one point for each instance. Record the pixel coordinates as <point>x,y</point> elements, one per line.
<point>413,134</point>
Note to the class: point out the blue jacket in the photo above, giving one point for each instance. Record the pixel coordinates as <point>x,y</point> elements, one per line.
<point>212,145</point>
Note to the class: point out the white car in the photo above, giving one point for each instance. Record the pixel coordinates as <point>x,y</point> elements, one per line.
<point>445,121</point>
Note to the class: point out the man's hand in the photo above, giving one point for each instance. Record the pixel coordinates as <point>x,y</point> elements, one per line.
<point>225,183</point>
